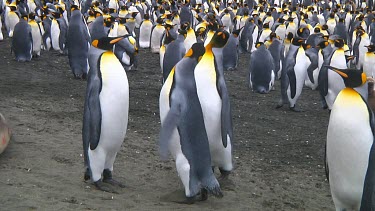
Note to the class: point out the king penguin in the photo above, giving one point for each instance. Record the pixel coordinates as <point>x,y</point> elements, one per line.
<point>78,43</point>
<point>145,32</point>
<point>156,35</point>
<point>183,131</point>
<point>22,42</point>
<point>36,35</point>
<point>261,70</point>
<point>214,98</point>
<point>349,147</point>
<point>369,61</point>
<point>106,109</point>
<point>230,51</point>
<point>174,52</point>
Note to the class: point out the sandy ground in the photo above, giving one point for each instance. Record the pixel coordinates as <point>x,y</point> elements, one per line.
<point>278,154</point>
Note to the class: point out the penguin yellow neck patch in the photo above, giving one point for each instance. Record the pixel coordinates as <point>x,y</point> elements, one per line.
<point>207,63</point>
<point>108,64</point>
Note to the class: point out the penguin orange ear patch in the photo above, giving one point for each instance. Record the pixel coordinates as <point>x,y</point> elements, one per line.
<point>95,43</point>
<point>189,53</point>
<point>116,40</point>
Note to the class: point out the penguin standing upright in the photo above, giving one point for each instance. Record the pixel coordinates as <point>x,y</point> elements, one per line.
<point>183,131</point>
<point>230,51</point>
<point>106,109</point>
<point>126,51</point>
<point>276,49</point>
<point>369,61</point>
<point>293,74</point>
<point>11,18</point>
<point>78,43</point>
<point>156,35</point>
<point>349,146</point>
<point>59,30</point>
<point>174,52</point>
<point>36,35</point>
<point>214,98</point>
<point>261,70</point>
<point>145,32</point>
<point>22,42</point>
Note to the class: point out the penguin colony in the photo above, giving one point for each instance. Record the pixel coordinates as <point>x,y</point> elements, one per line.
<point>328,46</point>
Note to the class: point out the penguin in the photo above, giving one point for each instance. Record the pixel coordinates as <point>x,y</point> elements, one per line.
<point>22,42</point>
<point>279,28</point>
<point>214,98</point>
<point>145,32</point>
<point>349,146</point>
<point>106,110</point>
<point>265,33</point>
<point>1,26</point>
<point>276,49</point>
<point>168,36</point>
<point>331,23</point>
<point>5,134</point>
<point>190,35</point>
<point>248,36</point>
<point>46,36</point>
<point>183,132</point>
<point>36,35</point>
<point>11,18</point>
<point>174,52</point>
<point>230,52</point>
<point>340,29</point>
<point>156,35</point>
<point>226,19</point>
<point>369,61</point>
<point>96,28</point>
<point>59,30</point>
<point>126,51</point>
<point>293,74</point>
<point>78,44</point>
<point>312,70</point>
<point>261,70</point>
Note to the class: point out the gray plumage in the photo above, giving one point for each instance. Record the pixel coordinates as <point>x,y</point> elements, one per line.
<point>260,69</point>
<point>22,42</point>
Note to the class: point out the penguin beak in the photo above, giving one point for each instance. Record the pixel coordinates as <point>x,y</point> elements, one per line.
<point>115,40</point>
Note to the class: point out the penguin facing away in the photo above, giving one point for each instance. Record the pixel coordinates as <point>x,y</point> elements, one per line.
<point>22,41</point>
<point>78,43</point>
<point>106,109</point>
<point>183,131</point>
<point>349,148</point>
<point>261,70</point>
<point>214,98</point>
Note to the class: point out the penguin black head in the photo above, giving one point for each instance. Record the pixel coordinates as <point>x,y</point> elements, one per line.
<point>259,44</point>
<point>281,20</point>
<point>341,20</point>
<point>74,7</point>
<point>370,48</point>
<point>266,26</point>
<point>236,32</point>
<point>25,17</point>
<point>196,51</point>
<point>298,41</point>
<point>146,16</point>
<point>352,77</point>
<point>322,44</point>
<point>339,43</point>
<point>289,36</point>
<point>325,27</point>
<point>303,32</point>
<point>106,43</point>
<point>219,39</point>
<point>32,16</point>
<point>317,30</point>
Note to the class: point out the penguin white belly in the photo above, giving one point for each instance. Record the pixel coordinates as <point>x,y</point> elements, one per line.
<point>55,35</point>
<point>280,31</point>
<point>291,28</point>
<point>144,34</point>
<point>1,33</point>
<point>300,70</point>
<point>362,50</point>
<point>348,147</point>
<point>227,23</point>
<point>13,20</point>
<point>125,58</point>
<point>211,107</point>
<point>335,82</point>
<point>6,18</point>
<point>189,40</point>
<point>264,35</point>
<point>255,37</point>
<point>121,30</point>
<point>37,38</point>
<point>156,35</point>
<point>369,65</point>
<point>161,56</point>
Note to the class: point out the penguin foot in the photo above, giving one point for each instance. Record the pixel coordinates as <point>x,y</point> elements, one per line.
<point>107,178</point>
<point>204,194</point>
<point>295,109</point>
<point>101,186</point>
<point>86,176</point>
<point>224,181</point>
<point>279,105</point>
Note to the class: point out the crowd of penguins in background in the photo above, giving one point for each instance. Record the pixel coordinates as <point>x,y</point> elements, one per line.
<point>326,45</point>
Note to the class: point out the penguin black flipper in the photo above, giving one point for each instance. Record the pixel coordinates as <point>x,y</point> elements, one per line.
<point>312,53</point>
<point>323,81</point>
<point>226,113</point>
<point>92,111</point>
<point>368,195</point>
<point>169,124</point>
<point>292,82</point>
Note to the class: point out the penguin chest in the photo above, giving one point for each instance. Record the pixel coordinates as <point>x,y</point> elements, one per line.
<point>205,77</point>
<point>302,62</point>
<point>114,99</point>
<point>145,33</point>
<point>369,64</point>
<point>55,35</point>
<point>156,37</point>
<point>349,139</point>
<point>37,38</point>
